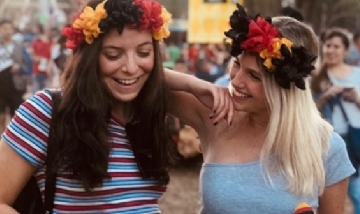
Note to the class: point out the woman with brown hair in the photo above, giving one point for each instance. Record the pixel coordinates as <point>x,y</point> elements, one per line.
<point>112,145</point>
<point>337,95</point>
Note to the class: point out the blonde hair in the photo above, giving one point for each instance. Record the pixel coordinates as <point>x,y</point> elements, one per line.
<point>297,135</point>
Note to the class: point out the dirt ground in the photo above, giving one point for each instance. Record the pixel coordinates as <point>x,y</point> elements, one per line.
<point>182,194</point>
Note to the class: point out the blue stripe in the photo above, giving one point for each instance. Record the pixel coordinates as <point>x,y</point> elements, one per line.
<point>122,153</point>
<point>42,104</point>
<point>22,153</point>
<point>116,130</point>
<point>106,199</point>
<point>140,211</point>
<point>106,183</point>
<point>122,167</point>
<point>33,120</point>
<point>133,211</point>
<point>29,139</point>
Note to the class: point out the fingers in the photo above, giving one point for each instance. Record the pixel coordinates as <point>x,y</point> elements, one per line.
<point>216,104</point>
<point>225,109</point>
<point>219,112</point>
<point>230,114</point>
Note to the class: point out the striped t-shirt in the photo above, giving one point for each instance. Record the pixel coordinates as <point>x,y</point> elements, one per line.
<point>126,192</point>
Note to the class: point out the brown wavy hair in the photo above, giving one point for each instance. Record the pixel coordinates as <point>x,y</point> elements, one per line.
<point>82,136</point>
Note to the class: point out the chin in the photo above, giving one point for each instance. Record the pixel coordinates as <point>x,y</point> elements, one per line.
<point>125,97</point>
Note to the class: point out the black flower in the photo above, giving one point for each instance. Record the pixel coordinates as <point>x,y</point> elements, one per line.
<point>120,14</point>
<point>294,67</point>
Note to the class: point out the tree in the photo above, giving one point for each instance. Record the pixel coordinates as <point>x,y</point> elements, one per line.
<point>263,7</point>
<point>322,14</point>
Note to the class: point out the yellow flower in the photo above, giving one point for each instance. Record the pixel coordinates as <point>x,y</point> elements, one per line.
<point>164,31</point>
<point>275,52</point>
<point>89,21</point>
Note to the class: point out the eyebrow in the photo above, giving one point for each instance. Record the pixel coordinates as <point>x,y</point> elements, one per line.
<point>253,71</point>
<point>117,47</point>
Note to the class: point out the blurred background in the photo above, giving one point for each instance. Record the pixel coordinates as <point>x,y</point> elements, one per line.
<point>196,46</point>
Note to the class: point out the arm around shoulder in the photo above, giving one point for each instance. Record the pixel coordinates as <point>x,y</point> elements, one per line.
<point>196,102</point>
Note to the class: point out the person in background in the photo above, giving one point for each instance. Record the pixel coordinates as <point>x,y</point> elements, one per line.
<point>13,66</point>
<point>339,84</point>
<point>41,52</point>
<point>353,55</point>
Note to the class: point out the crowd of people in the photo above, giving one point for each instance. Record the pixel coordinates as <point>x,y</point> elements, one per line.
<point>275,113</point>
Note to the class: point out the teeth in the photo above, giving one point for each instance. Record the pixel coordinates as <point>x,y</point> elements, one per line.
<point>239,94</point>
<point>127,82</point>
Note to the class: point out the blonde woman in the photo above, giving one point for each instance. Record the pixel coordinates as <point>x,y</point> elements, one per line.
<point>278,152</point>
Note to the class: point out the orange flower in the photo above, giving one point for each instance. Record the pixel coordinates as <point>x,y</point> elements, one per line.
<point>164,31</point>
<point>273,51</point>
<point>89,21</point>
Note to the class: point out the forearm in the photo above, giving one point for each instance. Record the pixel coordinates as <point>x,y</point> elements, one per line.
<point>321,102</point>
<point>357,101</point>
<point>4,208</point>
<point>181,82</point>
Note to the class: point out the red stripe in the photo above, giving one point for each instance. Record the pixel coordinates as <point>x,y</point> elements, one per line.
<point>99,193</point>
<point>124,174</point>
<point>30,129</point>
<point>44,97</point>
<point>37,113</point>
<point>106,206</point>
<point>121,146</point>
<point>25,145</point>
<point>121,160</point>
<point>304,210</point>
<point>117,135</point>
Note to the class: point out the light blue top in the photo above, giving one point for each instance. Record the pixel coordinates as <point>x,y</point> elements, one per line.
<point>223,80</point>
<point>353,112</point>
<point>242,189</point>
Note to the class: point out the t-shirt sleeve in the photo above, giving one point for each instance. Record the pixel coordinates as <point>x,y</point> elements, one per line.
<point>337,162</point>
<point>28,130</point>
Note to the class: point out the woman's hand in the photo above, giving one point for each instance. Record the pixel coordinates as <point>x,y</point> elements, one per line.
<point>333,91</point>
<point>216,98</point>
<point>351,95</point>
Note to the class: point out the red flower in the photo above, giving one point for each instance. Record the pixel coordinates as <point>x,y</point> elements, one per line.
<point>75,37</point>
<point>260,36</point>
<point>151,19</point>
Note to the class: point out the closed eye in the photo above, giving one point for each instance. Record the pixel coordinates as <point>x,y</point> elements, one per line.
<point>237,63</point>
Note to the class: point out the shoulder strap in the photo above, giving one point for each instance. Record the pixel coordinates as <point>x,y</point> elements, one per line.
<point>338,100</point>
<point>50,180</point>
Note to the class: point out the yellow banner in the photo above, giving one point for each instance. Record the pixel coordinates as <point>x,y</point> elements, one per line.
<point>208,20</point>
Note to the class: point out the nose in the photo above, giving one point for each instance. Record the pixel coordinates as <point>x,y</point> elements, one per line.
<point>131,65</point>
<point>237,78</point>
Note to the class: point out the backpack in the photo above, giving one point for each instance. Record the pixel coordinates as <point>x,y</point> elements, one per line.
<point>29,200</point>
<point>27,69</point>
<point>60,61</point>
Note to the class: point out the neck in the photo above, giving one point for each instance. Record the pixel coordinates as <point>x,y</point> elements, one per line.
<point>123,111</point>
<point>336,67</point>
<point>255,121</point>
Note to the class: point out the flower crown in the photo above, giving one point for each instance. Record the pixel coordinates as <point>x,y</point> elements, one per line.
<point>257,35</point>
<point>139,14</point>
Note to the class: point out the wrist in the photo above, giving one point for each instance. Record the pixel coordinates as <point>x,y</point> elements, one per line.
<point>357,99</point>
